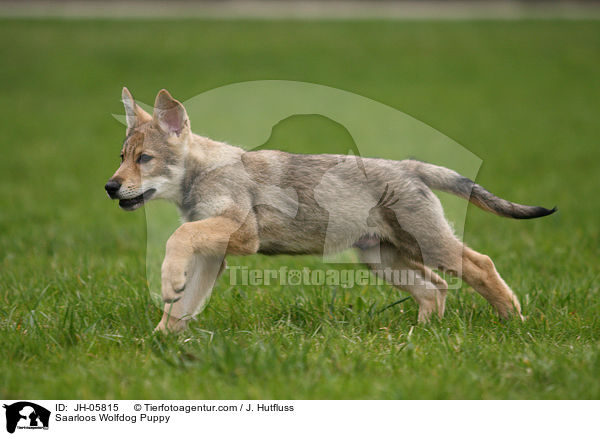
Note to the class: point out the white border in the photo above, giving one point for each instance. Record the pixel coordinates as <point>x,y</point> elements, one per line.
<point>465,418</point>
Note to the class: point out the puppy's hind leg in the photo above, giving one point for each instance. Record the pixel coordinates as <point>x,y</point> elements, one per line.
<point>479,271</point>
<point>425,280</point>
<point>425,286</point>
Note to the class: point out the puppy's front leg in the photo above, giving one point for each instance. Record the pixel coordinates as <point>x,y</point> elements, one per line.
<point>207,241</point>
<point>204,272</point>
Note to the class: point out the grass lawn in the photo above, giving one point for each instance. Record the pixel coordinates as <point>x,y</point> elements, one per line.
<point>75,313</point>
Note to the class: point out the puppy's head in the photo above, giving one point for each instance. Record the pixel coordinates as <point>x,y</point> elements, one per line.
<point>152,156</point>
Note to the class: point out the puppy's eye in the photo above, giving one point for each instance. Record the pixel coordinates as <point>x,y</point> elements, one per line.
<point>144,158</point>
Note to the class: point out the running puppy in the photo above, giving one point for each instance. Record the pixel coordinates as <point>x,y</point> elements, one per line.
<point>270,202</point>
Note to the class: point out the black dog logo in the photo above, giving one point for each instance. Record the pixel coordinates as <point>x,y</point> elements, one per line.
<point>26,415</point>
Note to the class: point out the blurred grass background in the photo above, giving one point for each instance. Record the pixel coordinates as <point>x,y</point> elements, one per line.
<point>76,317</point>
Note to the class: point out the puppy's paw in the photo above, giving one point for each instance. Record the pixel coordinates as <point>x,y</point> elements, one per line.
<point>171,324</point>
<point>174,277</point>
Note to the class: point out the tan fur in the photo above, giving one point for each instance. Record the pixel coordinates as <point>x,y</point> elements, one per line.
<point>217,236</point>
<point>479,271</point>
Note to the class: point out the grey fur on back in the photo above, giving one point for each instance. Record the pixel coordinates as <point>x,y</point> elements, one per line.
<point>340,201</point>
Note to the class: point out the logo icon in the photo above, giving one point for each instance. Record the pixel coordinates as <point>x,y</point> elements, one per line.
<point>26,415</point>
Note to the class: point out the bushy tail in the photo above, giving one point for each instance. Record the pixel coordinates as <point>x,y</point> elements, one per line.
<point>446,180</point>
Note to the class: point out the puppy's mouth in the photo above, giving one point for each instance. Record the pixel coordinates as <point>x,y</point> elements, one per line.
<point>135,202</point>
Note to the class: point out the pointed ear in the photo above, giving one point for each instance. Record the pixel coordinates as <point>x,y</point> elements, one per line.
<point>135,115</point>
<point>170,115</point>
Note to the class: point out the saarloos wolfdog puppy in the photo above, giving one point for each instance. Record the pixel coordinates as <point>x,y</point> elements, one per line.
<point>241,202</point>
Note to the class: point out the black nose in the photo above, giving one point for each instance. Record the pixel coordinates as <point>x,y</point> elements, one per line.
<point>112,187</point>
